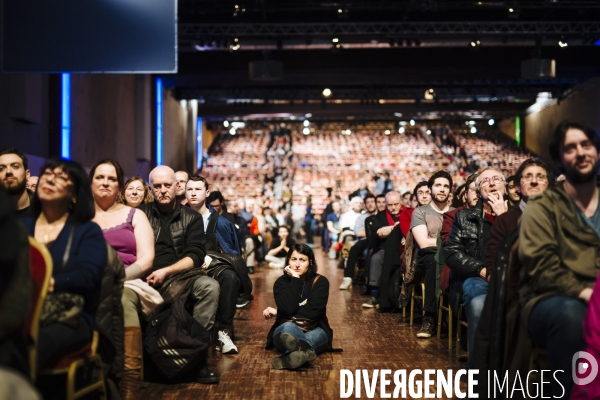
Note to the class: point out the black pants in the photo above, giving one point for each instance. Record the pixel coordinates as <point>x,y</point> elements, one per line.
<point>308,231</point>
<point>230,283</point>
<point>426,267</point>
<point>355,252</point>
<point>57,340</point>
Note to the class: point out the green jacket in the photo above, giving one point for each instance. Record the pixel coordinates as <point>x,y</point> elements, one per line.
<point>559,252</point>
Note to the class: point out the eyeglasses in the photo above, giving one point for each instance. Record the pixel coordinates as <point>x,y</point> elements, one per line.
<point>486,181</point>
<point>60,178</point>
<point>539,177</point>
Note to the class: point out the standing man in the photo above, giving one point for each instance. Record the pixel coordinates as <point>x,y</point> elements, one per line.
<point>464,249</point>
<point>559,238</point>
<point>425,224</point>
<point>182,178</point>
<point>179,245</point>
<point>14,172</point>
<point>220,237</point>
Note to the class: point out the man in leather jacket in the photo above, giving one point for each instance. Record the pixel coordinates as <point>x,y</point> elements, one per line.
<point>464,249</point>
<point>179,244</point>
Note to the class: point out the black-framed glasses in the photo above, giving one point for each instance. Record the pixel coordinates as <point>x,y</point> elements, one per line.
<point>539,177</point>
<point>486,181</point>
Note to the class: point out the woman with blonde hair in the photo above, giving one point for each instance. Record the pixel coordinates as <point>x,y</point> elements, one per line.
<point>135,192</point>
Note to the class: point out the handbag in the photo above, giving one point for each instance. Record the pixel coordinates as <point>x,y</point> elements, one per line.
<point>62,307</point>
<point>305,324</point>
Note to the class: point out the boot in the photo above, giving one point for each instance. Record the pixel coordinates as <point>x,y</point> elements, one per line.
<point>129,386</point>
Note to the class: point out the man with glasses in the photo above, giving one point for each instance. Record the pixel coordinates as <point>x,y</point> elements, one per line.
<point>215,200</point>
<point>464,249</point>
<point>559,236</point>
<point>14,172</point>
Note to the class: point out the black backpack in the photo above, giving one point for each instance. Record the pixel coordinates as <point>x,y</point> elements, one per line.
<point>174,340</point>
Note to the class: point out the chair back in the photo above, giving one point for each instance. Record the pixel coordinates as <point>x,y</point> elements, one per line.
<point>40,263</point>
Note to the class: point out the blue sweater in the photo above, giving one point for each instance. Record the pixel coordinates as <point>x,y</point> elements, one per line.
<point>225,233</point>
<point>87,260</point>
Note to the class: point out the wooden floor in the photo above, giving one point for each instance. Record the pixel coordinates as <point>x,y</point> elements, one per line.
<point>370,340</point>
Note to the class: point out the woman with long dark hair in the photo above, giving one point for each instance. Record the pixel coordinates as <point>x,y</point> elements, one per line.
<point>301,330</point>
<point>62,220</point>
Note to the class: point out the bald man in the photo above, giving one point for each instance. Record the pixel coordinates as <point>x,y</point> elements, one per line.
<point>181,178</point>
<point>179,245</point>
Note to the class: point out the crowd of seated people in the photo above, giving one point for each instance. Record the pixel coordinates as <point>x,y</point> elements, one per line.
<point>513,248</point>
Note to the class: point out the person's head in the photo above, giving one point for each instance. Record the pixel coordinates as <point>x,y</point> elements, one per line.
<point>241,203</point>
<point>136,192</point>
<point>393,202</point>
<point>14,171</point>
<point>356,204</point>
<point>574,148</point>
<point>511,190</point>
<point>490,182</point>
<point>233,207</point>
<point>336,206</point>
<point>106,178</point>
<point>301,259</point>
<point>283,231</point>
<point>406,199</point>
<point>471,193</point>
<point>163,185</point>
<point>533,177</point>
<point>64,185</point>
<point>196,191</point>
<point>440,185</point>
<point>380,202</point>
<point>414,203</point>
<point>423,194</point>
<point>215,200</point>
<point>386,175</point>
<point>370,204</point>
<point>32,182</point>
<point>181,178</point>
<point>458,200</point>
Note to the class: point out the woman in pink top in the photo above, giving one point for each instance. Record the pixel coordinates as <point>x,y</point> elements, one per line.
<point>129,232</point>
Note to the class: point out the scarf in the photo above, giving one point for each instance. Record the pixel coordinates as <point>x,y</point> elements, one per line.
<point>390,219</point>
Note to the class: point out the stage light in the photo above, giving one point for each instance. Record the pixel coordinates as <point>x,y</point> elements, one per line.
<point>473,129</point>
<point>511,10</point>
<point>428,131</point>
<point>401,130</point>
<point>475,43</point>
<point>235,45</point>
<point>306,122</point>
<point>335,40</point>
<point>306,131</point>
<point>398,114</point>
<point>412,122</point>
<point>491,122</point>
<point>232,131</point>
<point>387,132</point>
<point>563,42</point>
<point>307,115</point>
<point>429,94</point>
<point>340,11</point>
<point>225,123</point>
<point>326,92</point>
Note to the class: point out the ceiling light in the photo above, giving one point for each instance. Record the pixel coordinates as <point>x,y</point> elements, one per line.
<point>387,132</point>
<point>428,131</point>
<point>563,42</point>
<point>398,114</point>
<point>235,45</point>
<point>326,92</point>
<point>429,94</point>
<point>306,122</point>
<point>475,43</point>
<point>511,10</point>
<point>307,115</point>
<point>491,122</point>
<point>306,131</point>
<point>232,131</point>
<point>412,122</point>
<point>340,11</point>
<point>335,40</point>
<point>473,129</point>
<point>401,130</point>
<point>225,123</point>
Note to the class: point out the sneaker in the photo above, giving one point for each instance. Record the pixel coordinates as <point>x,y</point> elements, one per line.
<point>206,376</point>
<point>226,344</point>
<point>290,361</point>
<point>373,302</point>
<point>241,302</point>
<point>346,283</point>
<point>426,328</point>
<point>292,343</point>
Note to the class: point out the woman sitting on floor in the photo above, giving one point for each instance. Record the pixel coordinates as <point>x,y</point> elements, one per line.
<point>301,330</point>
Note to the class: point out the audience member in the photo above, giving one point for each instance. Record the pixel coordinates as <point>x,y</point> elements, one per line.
<point>179,245</point>
<point>558,241</point>
<point>182,178</point>
<point>301,330</point>
<point>32,183</point>
<point>280,247</point>
<point>514,199</point>
<point>217,201</point>
<point>406,199</point>
<point>426,222</point>
<point>14,173</point>
<point>136,192</point>
<point>384,184</point>
<point>61,219</point>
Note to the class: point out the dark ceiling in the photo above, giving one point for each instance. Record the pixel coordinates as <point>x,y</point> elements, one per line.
<point>379,57</point>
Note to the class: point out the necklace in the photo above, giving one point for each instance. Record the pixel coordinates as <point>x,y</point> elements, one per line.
<point>49,228</point>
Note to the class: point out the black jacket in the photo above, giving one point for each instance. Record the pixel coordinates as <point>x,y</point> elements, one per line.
<point>186,229</point>
<point>464,249</point>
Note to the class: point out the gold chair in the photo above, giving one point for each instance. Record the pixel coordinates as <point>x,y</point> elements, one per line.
<point>70,365</point>
<point>40,264</point>
<point>447,308</point>
<point>458,326</point>
<point>412,302</point>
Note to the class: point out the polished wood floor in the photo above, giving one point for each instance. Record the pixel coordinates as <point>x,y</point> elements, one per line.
<point>370,340</point>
